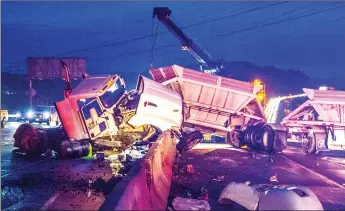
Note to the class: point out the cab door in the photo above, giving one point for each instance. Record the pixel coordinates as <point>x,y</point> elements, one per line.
<point>94,119</point>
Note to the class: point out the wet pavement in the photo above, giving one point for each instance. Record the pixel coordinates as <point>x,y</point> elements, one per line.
<point>81,184</point>
<point>51,184</point>
<point>216,168</point>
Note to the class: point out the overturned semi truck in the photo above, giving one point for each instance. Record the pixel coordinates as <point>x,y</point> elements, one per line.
<point>100,111</point>
<point>319,123</point>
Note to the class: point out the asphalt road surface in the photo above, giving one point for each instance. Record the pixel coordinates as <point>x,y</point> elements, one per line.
<point>51,184</point>
<point>216,168</point>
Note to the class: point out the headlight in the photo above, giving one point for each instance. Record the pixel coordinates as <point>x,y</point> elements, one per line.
<point>18,115</point>
<point>30,114</point>
<point>46,115</point>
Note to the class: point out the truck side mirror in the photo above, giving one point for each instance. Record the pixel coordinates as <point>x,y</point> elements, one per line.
<point>122,81</point>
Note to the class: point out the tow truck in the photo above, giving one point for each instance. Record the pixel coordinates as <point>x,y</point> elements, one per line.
<point>319,123</point>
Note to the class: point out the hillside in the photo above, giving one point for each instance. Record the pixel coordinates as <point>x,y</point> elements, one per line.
<point>278,81</point>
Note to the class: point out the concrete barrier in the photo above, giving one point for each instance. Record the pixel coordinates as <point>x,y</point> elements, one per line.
<point>147,185</point>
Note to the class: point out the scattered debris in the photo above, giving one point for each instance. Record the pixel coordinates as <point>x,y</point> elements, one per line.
<point>204,194</point>
<point>260,197</point>
<point>190,204</point>
<point>274,178</point>
<point>100,156</point>
<point>271,160</point>
<point>219,178</point>
<point>240,193</point>
<point>190,169</point>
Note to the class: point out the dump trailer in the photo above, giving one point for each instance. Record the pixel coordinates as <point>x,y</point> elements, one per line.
<point>319,123</point>
<point>102,113</point>
<point>222,106</point>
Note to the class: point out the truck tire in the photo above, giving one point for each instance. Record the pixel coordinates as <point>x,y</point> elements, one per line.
<point>309,144</point>
<point>234,138</point>
<point>27,140</point>
<point>189,141</point>
<point>252,134</point>
<point>267,138</point>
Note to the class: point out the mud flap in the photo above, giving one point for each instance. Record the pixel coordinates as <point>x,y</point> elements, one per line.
<point>320,139</point>
<point>280,137</point>
<point>188,141</point>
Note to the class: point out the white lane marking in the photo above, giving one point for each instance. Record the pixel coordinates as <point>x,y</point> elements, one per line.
<point>50,201</point>
<point>22,167</point>
<point>324,178</point>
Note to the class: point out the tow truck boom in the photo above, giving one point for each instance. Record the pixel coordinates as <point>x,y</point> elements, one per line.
<point>163,13</point>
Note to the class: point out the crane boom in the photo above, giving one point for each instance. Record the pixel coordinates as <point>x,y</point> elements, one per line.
<point>207,65</point>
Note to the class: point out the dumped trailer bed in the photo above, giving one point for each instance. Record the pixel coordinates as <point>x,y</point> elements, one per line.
<point>319,122</point>
<point>219,105</point>
<point>209,99</point>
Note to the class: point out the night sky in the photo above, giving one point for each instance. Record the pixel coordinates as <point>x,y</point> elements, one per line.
<point>309,36</point>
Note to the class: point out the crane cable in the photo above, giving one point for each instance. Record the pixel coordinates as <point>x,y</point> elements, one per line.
<point>153,41</point>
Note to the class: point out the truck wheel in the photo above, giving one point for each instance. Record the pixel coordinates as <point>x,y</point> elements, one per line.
<point>267,138</point>
<point>309,144</point>
<point>189,141</point>
<point>234,138</point>
<point>27,140</point>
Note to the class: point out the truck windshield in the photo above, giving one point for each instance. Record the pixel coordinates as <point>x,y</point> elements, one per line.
<point>112,95</point>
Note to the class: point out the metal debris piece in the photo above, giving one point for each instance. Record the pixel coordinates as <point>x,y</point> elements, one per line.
<point>219,178</point>
<point>190,204</point>
<point>100,156</point>
<point>204,194</point>
<point>190,169</point>
<point>274,178</point>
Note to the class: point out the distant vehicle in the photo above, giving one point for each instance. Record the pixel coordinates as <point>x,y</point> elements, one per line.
<point>42,114</point>
<point>21,117</point>
<point>4,118</point>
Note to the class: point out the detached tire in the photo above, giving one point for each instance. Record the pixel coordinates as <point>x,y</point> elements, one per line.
<point>235,138</point>
<point>27,139</point>
<point>189,141</point>
<point>309,144</point>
